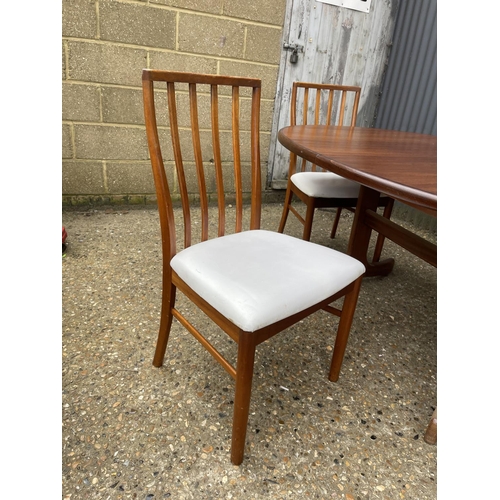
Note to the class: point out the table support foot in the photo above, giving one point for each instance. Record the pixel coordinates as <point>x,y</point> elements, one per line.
<point>382,268</point>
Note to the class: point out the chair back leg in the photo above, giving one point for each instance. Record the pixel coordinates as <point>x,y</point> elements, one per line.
<point>168,302</point>
<point>336,222</point>
<point>348,309</point>
<point>286,208</point>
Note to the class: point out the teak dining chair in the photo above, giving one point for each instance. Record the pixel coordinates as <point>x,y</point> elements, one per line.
<point>326,105</point>
<point>252,283</point>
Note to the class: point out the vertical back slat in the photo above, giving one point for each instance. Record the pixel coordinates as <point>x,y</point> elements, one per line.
<point>354,114</point>
<point>342,108</point>
<point>200,174</point>
<point>255,155</point>
<point>293,121</point>
<point>317,108</point>
<point>302,164</point>
<point>330,107</point>
<point>293,114</point>
<point>217,158</point>
<point>304,121</point>
<point>181,178</point>
<point>235,112</point>
<point>306,104</point>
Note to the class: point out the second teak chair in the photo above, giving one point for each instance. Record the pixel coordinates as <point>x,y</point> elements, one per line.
<point>252,283</point>
<point>323,104</point>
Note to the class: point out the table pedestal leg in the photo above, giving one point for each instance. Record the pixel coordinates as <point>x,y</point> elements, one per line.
<point>430,436</point>
<point>361,232</point>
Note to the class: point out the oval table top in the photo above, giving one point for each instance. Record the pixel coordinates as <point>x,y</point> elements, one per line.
<point>402,165</point>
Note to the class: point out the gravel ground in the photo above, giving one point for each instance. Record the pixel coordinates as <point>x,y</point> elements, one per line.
<point>132,431</point>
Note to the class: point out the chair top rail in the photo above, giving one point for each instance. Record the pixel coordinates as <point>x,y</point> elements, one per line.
<point>181,77</point>
<point>327,86</point>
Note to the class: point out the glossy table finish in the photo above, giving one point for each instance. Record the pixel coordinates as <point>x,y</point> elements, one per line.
<point>401,165</point>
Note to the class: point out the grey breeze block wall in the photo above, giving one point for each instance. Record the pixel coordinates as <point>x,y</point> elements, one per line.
<point>107,43</point>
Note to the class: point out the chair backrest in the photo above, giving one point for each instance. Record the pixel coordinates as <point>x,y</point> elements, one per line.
<point>323,104</point>
<point>213,122</point>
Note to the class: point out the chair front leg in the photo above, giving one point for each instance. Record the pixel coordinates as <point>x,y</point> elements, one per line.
<point>244,375</point>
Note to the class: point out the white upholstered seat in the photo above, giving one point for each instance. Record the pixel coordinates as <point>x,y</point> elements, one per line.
<point>325,185</point>
<point>275,280</point>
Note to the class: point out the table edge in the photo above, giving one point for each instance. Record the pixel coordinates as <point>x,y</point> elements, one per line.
<point>414,197</point>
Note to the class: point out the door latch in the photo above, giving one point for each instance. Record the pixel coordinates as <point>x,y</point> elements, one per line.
<point>295,48</point>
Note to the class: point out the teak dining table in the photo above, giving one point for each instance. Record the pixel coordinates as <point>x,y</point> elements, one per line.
<point>401,165</point>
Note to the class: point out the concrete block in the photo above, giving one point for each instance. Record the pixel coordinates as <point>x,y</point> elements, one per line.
<point>265,141</point>
<point>211,35</point>
<point>63,61</point>
<point>209,6</point>
<point>137,24</point>
<point>108,142</point>
<point>79,18</point>
<point>80,102</point>
<point>266,115</point>
<point>262,11</point>
<point>82,177</point>
<point>192,178</point>
<point>105,63</point>
<point>122,105</point>
<point>67,145</point>
<point>171,176</point>
<point>263,44</point>
<point>182,62</point>
<point>267,74</point>
<point>130,177</point>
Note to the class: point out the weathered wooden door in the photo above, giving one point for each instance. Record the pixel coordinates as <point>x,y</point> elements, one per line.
<point>330,44</point>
